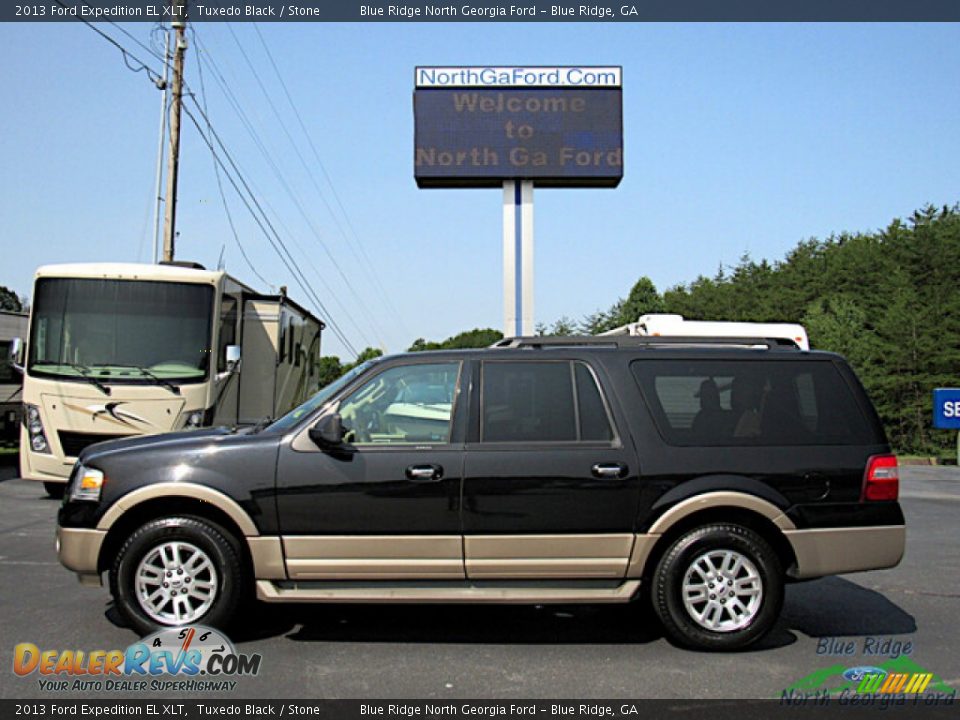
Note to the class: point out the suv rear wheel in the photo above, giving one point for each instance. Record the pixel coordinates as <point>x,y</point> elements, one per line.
<point>718,587</point>
<point>178,571</point>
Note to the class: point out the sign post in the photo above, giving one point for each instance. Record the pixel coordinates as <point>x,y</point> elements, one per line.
<point>514,128</point>
<point>946,412</point>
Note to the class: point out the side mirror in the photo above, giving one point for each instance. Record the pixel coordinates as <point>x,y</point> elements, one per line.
<point>328,432</point>
<point>16,354</point>
<point>232,356</point>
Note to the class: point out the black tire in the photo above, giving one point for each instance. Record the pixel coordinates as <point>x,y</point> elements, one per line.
<point>216,543</point>
<point>667,587</point>
<point>55,489</point>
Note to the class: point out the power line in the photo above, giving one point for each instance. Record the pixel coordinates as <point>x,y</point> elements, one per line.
<point>265,152</point>
<point>263,221</point>
<point>359,298</point>
<point>290,264</point>
<point>216,171</point>
<point>357,245</point>
<point>154,76</point>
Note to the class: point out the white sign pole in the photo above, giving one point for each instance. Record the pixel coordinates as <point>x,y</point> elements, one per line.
<point>511,325</point>
<point>517,258</point>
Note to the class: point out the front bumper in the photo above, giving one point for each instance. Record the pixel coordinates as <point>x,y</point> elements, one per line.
<point>79,550</point>
<point>834,551</point>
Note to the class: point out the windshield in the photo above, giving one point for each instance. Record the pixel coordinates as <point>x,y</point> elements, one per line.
<point>318,400</point>
<point>131,331</point>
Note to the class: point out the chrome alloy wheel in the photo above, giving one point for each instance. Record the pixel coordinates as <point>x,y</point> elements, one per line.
<point>722,590</point>
<point>176,583</point>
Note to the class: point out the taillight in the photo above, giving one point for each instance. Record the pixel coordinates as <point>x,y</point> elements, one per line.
<point>881,480</point>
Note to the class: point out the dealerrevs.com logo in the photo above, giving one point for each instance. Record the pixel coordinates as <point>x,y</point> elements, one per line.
<point>186,659</point>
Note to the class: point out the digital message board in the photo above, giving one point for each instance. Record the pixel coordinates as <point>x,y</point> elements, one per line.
<point>476,127</point>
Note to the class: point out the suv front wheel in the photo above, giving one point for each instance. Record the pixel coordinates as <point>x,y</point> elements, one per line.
<point>177,571</point>
<point>718,587</point>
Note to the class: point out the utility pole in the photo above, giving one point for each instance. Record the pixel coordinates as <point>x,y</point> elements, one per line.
<point>164,86</point>
<point>179,25</point>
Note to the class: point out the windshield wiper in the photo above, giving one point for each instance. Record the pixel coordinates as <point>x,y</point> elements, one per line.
<point>85,374</point>
<point>261,424</point>
<point>158,380</point>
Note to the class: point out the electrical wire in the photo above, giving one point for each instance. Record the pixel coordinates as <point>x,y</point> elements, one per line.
<point>357,245</point>
<point>224,85</point>
<point>223,197</point>
<point>346,281</point>
<point>262,220</point>
<point>275,241</point>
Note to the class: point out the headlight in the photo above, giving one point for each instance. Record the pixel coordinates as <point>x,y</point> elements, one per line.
<point>38,439</point>
<point>88,484</point>
<point>194,420</point>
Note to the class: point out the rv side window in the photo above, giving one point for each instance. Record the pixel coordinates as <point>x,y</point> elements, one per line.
<point>228,329</point>
<point>6,372</point>
<point>755,403</point>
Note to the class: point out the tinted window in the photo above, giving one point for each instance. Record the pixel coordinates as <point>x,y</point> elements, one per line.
<point>594,422</point>
<point>403,405</point>
<point>538,402</point>
<point>228,329</point>
<point>6,371</point>
<point>719,402</point>
<point>121,330</point>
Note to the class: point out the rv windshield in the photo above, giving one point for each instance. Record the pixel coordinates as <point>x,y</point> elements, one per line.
<point>127,331</point>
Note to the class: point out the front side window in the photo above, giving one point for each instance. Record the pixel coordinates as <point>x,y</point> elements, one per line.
<point>121,330</point>
<point>404,405</point>
<point>321,398</point>
<point>542,402</point>
<point>756,403</point>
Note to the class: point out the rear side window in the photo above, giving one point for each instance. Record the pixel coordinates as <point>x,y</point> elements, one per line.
<point>755,403</point>
<point>542,402</point>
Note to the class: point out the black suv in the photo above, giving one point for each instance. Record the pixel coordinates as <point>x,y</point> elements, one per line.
<point>706,473</point>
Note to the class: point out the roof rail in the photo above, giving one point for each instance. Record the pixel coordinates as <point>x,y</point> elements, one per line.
<point>617,341</point>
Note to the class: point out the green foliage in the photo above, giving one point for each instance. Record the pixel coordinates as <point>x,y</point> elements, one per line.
<point>476,338</point>
<point>9,300</point>
<point>331,367</point>
<point>642,300</point>
<point>887,301</point>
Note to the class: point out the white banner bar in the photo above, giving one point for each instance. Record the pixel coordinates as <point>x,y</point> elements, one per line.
<point>564,76</point>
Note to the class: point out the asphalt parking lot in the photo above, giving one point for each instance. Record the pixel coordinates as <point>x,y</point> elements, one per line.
<point>338,651</point>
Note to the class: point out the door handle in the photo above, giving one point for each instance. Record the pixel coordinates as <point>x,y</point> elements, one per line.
<point>609,470</point>
<point>424,473</point>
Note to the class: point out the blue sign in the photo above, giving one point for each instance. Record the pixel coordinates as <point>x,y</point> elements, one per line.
<point>946,408</point>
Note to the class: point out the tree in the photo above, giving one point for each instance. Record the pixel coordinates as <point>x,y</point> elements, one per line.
<point>330,370</point>
<point>642,300</point>
<point>9,300</point>
<point>476,338</point>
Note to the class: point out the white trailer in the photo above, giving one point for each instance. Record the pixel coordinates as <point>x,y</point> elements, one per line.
<point>117,350</point>
<point>665,325</point>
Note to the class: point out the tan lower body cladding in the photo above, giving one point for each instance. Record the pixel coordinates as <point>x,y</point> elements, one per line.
<point>452,557</point>
<point>818,552</point>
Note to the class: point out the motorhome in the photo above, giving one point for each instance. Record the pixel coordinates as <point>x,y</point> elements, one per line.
<point>667,325</point>
<point>117,350</point>
<point>12,325</point>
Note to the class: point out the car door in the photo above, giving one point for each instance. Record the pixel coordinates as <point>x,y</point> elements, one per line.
<point>550,483</point>
<point>385,504</point>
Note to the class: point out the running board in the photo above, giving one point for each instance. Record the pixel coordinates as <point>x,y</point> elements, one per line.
<point>269,591</point>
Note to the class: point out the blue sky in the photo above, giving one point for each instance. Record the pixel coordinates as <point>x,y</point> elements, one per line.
<point>738,138</point>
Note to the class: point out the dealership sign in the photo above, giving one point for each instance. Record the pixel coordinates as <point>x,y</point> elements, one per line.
<point>556,126</point>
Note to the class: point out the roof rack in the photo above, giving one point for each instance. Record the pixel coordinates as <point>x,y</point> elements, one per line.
<point>618,341</point>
